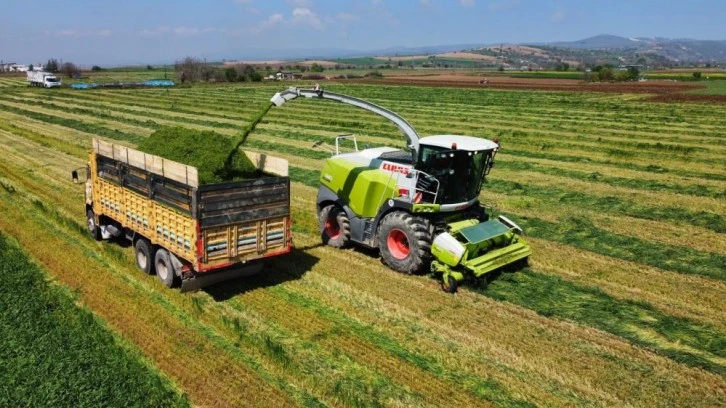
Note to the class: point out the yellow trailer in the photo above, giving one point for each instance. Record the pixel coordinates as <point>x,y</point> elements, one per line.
<point>186,233</point>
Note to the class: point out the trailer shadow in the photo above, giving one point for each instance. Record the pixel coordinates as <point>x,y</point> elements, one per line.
<point>276,271</point>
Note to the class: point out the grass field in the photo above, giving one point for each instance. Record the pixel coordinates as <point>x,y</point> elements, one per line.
<point>56,354</point>
<point>623,201</point>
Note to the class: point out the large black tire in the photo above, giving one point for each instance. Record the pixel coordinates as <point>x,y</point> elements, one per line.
<point>334,226</point>
<point>93,229</point>
<point>405,242</point>
<point>164,268</point>
<point>144,256</point>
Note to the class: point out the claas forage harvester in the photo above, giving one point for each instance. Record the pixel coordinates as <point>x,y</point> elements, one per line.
<point>420,207</point>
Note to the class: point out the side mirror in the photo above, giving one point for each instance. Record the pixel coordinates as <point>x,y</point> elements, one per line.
<point>74,176</point>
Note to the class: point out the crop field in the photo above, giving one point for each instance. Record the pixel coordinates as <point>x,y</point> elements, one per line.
<point>622,200</point>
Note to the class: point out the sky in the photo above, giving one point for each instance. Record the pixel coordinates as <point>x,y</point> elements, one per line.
<point>110,33</point>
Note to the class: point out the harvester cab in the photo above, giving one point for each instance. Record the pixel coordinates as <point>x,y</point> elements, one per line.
<point>419,207</point>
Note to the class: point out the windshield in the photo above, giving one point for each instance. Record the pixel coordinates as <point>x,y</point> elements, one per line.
<point>51,79</point>
<point>460,173</point>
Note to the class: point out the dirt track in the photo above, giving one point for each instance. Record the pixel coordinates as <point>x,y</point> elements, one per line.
<point>468,81</point>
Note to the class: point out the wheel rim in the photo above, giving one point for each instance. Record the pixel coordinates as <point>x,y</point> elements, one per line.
<point>161,270</point>
<point>398,244</point>
<point>332,229</point>
<point>141,259</point>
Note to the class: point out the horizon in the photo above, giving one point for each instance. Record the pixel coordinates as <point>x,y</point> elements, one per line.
<point>88,33</point>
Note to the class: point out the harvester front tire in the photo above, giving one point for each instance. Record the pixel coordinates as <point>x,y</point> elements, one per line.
<point>93,229</point>
<point>405,242</point>
<point>164,268</point>
<point>144,256</point>
<point>334,226</point>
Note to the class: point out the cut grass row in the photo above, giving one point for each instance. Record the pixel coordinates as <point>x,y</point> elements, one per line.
<point>664,146</point>
<point>599,133</point>
<point>697,190</point>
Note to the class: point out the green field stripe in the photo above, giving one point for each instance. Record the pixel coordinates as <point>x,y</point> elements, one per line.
<point>609,205</point>
<point>579,232</point>
<point>597,177</point>
<point>638,322</point>
<point>96,112</point>
<point>75,124</point>
<point>55,353</point>
<point>621,165</point>
<point>485,389</point>
<point>45,140</point>
<point>88,112</point>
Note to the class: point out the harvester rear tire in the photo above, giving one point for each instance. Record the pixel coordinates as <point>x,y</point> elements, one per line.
<point>144,255</point>
<point>164,268</point>
<point>405,242</point>
<point>93,229</point>
<point>334,226</point>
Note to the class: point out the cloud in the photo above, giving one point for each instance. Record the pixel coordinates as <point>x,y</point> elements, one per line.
<point>243,1</point>
<point>271,21</point>
<point>467,3</point>
<point>104,33</point>
<point>558,16</point>
<point>300,3</point>
<point>66,33</point>
<point>307,17</point>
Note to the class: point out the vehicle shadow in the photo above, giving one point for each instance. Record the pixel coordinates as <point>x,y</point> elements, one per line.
<point>275,271</point>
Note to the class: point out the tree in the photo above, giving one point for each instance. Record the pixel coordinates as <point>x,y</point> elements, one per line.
<point>230,74</point>
<point>70,69</point>
<point>633,73</point>
<point>255,76</point>
<point>30,68</point>
<point>96,68</point>
<point>697,75</point>
<point>149,67</point>
<point>52,65</point>
<point>606,74</point>
<point>316,67</point>
<point>189,69</point>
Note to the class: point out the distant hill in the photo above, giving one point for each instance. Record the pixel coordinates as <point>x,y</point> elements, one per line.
<point>678,50</point>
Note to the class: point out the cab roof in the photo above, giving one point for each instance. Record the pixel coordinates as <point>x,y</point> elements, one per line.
<point>467,143</point>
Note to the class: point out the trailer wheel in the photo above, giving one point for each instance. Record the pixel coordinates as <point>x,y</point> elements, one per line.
<point>144,256</point>
<point>405,242</point>
<point>164,268</point>
<point>334,226</point>
<point>93,229</point>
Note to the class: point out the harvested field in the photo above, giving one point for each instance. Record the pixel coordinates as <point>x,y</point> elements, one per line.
<point>623,202</point>
<point>499,82</point>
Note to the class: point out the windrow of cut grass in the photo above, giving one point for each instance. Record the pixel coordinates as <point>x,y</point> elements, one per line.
<point>56,353</point>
